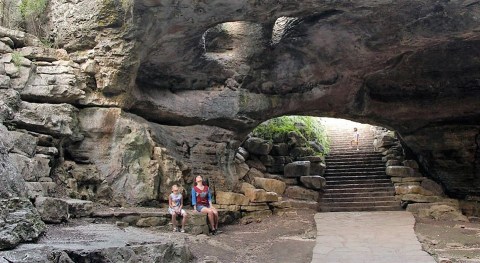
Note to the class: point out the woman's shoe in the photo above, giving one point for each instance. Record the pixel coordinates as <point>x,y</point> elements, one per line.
<point>175,229</point>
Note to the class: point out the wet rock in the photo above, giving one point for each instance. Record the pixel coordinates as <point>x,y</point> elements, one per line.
<point>314,182</point>
<point>297,169</point>
<point>20,222</point>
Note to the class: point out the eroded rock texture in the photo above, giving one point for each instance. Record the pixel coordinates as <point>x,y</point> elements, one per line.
<point>149,93</point>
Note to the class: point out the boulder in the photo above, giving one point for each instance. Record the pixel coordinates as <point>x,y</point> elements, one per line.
<point>417,198</point>
<point>230,198</point>
<point>252,174</point>
<point>79,208</point>
<point>270,185</point>
<point>296,140</point>
<point>257,146</point>
<point>412,189</point>
<point>256,163</point>
<point>411,163</point>
<point>242,151</point>
<point>279,149</point>
<point>399,171</point>
<point>258,195</point>
<point>432,186</point>
<point>24,224</point>
<point>297,192</point>
<point>297,169</point>
<point>241,170</point>
<point>239,158</point>
<point>267,160</point>
<point>297,152</point>
<point>314,182</point>
<point>443,212</point>
<point>393,163</point>
<point>52,210</point>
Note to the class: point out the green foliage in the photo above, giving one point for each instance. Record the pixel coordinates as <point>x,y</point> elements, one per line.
<point>32,8</point>
<point>17,59</point>
<point>310,128</point>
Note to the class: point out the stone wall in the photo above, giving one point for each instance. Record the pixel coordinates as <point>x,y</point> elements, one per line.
<point>417,192</point>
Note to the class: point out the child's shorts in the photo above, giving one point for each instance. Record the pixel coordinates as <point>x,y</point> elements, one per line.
<point>172,211</point>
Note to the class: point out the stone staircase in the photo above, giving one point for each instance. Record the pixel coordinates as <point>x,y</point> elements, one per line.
<point>356,179</point>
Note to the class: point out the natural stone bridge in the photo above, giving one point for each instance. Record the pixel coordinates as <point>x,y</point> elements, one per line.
<point>143,94</point>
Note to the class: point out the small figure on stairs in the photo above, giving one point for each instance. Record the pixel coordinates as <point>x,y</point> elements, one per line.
<point>355,138</point>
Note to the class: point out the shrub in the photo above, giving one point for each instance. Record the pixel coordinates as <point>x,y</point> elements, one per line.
<point>310,128</point>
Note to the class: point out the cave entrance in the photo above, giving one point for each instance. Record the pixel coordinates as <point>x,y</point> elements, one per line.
<point>324,164</point>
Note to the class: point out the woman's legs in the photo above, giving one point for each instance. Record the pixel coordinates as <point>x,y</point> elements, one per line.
<point>210,216</point>
<point>215,216</point>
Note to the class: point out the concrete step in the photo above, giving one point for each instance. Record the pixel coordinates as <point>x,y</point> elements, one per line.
<point>361,163</point>
<point>356,169</point>
<point>353,173</point>
<point>359,209</point>
<point>357,185</point>
<point>356,181</point>
<point>355,177</point>
<point>359,204</point>
<point>368,199</point>
<point>359,189</point>
<point>359,194</point>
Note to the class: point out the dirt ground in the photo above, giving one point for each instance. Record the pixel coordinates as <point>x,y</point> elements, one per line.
<point>290,238</point>
<point>286,238</point>
<point>458,242</point>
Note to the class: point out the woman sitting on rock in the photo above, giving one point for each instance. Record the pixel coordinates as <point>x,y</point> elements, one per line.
<point>175,205</point>
<point>202,202</point>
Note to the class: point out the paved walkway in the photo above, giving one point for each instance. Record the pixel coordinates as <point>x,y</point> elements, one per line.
<point>373,237</point>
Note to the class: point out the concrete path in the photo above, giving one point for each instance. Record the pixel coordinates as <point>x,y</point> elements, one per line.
<point>373,237</point>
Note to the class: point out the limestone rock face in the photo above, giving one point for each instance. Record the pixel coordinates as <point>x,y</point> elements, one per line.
<point>229,198</point>
<point>399,171</point>
<point>19,222</point>
<point>11,182</point>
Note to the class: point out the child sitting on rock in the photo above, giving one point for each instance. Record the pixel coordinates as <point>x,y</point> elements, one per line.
<point>175,208</point>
